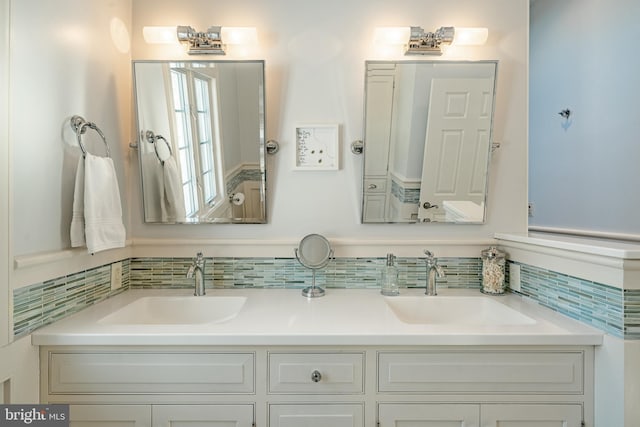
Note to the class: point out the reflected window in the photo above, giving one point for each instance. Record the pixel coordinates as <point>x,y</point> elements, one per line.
<point>195,111</point>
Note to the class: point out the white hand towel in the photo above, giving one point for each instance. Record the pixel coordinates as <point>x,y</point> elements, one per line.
<point>77,215</point>
<point>173,200</point>
<point>102,208</point>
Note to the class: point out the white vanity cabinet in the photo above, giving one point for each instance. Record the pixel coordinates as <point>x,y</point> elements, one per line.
<point>547,415</point>
<point>321,386</point>
<point>320,382</point>
<point>480,415</point>
<point>110,415</point>
<point>82,415</point>
<point>161,386</point>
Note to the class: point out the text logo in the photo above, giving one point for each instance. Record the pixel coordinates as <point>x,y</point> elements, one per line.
<point>34,415</point>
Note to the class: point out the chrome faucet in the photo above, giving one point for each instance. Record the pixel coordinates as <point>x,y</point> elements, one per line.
<point>197,268</point>
<point>434,271</point>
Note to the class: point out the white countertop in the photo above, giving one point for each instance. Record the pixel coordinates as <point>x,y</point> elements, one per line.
<point>343,317</point>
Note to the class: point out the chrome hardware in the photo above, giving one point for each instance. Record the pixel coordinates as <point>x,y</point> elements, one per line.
<point>201,42</point>
<point>272,146</point>
<point>427,205</point>
<point>197,268</point>
<point>372,187</point>
<point>80,125</point>
<point>429,43</point>
<point>433,271</point>
<point>152,138</point>
<point>357,147</point>
<point>316,376</point>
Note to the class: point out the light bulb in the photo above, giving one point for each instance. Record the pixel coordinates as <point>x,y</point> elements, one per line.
<point>470,36</point>
<point>160,35</point>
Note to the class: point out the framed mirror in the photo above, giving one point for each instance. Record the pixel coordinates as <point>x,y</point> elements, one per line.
<point>201,141</point>
<point>427,141</point>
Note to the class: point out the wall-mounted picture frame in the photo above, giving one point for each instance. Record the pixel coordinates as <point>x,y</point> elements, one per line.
<point>317,147</point>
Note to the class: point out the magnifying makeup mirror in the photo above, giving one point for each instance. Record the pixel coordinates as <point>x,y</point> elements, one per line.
<point>313,252</point>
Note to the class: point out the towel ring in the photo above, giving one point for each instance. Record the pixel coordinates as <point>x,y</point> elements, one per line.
<point>80,126</point>
<point>153,139</point>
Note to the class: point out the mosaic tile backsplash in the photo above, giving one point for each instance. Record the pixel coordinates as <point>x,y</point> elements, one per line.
<point>45,302</point>
<point>288,273</point>
<point>607,308</point>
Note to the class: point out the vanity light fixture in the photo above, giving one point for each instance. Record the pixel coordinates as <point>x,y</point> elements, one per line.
<point>213,41</point>
<point>428,43</point>
<point>209,41</point>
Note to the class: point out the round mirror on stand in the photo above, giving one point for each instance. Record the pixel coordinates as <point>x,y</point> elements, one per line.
<point>313,252</point>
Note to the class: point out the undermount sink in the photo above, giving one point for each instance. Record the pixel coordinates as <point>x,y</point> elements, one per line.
<point>458,310</point>
<point>176,310</point>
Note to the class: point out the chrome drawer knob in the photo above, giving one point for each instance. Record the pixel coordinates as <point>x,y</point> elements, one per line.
<point>316,376</point>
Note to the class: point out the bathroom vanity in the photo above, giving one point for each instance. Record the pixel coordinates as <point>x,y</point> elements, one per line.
<point>343,360</point>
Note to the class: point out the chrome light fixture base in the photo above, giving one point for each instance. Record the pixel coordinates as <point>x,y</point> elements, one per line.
<point>421,43</point>
<point>208,42</point>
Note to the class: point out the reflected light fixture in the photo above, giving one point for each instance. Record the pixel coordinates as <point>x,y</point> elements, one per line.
<point>213,41</point>
<point>428,43</point>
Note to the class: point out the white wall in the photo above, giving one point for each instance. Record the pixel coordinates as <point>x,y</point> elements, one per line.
<point>315,55</point>
<point>4,175</point>
<point>584,58</point>
<point>67,57</point>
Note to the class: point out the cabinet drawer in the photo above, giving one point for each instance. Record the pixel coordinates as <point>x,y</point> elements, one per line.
<point>316,373</point>
<point>150,373</point>
<point>203,415</point>
<point>481,372</point>
<point>375,185</point>
<point>316,415</point>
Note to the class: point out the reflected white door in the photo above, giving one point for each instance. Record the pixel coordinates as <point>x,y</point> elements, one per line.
<point>457,144</point>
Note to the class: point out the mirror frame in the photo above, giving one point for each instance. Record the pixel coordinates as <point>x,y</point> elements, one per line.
<point>319,242</point>
<point>262,162</point>
<point>489,149</point>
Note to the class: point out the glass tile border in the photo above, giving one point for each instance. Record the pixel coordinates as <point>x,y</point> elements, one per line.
<point>45,302</point>
<point>358,273</point>
<point>605,307</point>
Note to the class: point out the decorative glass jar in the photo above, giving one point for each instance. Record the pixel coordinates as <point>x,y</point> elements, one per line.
<point>493,266</point>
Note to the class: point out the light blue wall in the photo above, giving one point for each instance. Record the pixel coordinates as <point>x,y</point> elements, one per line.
<point>584,174</point>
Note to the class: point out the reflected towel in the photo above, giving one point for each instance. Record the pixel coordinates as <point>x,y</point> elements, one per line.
<point>173,198</point>
<point>103,227</point>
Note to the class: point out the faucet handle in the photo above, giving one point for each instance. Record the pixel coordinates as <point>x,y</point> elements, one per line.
<point>198,261</point>
<point>191,270</point>
<point>431,258</point>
